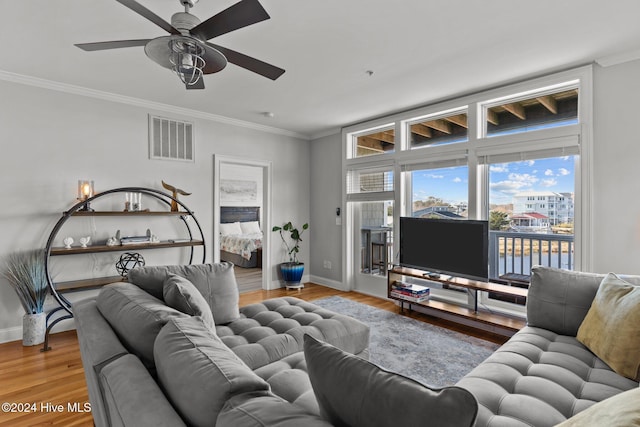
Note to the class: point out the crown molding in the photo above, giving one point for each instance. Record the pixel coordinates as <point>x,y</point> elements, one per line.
<point>619,58</point>
<point>143,103</point>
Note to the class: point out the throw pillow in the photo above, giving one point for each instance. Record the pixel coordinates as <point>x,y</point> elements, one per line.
<point>198,373</point>
<point>216,282</point>
<point>619,410</point>
<point>610,328</point>
<point>354,392</point>
<point>230,228</point>
<point>250,227</point>
<point>182,295</point>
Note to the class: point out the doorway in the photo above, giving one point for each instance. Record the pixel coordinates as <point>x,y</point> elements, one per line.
<point>242,218</point>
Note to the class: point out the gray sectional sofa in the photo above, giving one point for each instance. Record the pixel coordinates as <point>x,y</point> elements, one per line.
<point>543,375</point>
<point>173,348</point>
<point>158,353</point>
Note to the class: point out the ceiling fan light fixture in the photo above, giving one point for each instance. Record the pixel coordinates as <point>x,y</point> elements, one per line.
<point>187,59</point>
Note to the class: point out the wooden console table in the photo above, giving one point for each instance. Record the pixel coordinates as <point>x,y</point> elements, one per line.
<point>397,272</point>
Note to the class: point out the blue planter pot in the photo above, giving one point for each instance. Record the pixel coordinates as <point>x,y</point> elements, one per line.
<point>292,273</point>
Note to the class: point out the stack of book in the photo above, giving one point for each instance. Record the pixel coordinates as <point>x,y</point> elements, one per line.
<point>134,240</point>
<point>410,291</point>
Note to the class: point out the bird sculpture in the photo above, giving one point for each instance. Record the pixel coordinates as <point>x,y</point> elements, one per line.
<point>174,193</point>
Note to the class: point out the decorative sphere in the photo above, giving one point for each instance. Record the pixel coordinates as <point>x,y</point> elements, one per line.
<point>127,261</point>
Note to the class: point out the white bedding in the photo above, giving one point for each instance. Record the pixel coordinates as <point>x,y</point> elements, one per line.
<point>241,244</point>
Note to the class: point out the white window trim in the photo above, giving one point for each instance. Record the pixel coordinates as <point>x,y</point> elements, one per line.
<point>579,77</point>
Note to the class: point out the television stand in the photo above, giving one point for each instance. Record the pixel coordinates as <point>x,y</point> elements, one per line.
<point>397,273</point>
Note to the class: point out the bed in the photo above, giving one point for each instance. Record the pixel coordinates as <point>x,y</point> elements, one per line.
<point>241,236</point>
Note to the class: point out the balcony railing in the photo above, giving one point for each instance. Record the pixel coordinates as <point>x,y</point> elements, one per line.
<point>512,254</point>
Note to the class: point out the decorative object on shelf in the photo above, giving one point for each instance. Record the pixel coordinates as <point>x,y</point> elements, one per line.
<point>85,191</point>
<point>293,269</point>
<point>132,202</point>
<point>68,241</point>
<point>174,193</point>
<point>84,241</point>
<point>152,237</point>
<point>114,240</point>
<point>127,261</point>
<point>25,272</point>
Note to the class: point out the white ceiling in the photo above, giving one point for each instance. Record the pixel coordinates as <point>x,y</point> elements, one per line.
<point>420,51</point>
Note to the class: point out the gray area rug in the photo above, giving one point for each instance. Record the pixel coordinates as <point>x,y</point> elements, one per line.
<point>430,354</point>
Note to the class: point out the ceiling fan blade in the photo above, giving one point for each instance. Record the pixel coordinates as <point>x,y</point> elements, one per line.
<point>197,85</point>
<point>141,10</point>
<point>252,64</point>
<point>89,47</point>
<point>241,14</point>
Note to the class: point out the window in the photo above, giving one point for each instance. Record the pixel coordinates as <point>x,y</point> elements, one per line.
<point>438,129</point>
<point>541,111</point>
<point>514,156</point>
<point>374,142</point>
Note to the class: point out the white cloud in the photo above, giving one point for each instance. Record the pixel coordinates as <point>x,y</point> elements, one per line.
<point>530,162</point>
<point>499,168</point>
<point>524,178</point>
<point>549,182</point>
<point>548,172</point>
<point>433,176</point>
<point>456,179</point>
<point>563,172</point>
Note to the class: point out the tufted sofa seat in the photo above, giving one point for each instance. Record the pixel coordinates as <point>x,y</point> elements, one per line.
<point>543,375</point>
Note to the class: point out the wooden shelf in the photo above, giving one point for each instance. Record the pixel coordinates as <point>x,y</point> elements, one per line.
<point>465,283</point>
<point>85,284</point>
<point>123,248</point>
<point>128,213</point>
<point>492,319</point>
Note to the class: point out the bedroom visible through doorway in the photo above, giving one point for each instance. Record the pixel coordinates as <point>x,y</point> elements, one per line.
<point>240,219</point>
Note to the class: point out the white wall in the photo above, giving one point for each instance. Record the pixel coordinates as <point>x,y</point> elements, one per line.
<point>616,172</point>
<point>50,139</point>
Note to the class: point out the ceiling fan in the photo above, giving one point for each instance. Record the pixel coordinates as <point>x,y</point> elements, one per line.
<point>186,50</point>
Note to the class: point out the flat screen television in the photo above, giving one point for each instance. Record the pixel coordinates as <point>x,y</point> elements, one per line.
<point>455,247</point>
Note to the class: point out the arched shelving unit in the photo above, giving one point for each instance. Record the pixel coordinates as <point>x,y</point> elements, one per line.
<point>195,238</point>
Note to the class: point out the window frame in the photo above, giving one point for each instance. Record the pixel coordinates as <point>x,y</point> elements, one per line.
<point>478,144</point>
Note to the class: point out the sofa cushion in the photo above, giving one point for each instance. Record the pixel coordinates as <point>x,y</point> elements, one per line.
<point>610,328</point>
<point>540,378</point>
<point>620,410</point>
<point>273,329</point>
<point>136,317</point>
<point>262,409</point>
<point>214,374</point>
<point>354,392</point>
<point>133,396</point>
<point>182,295</point>
<point>558,300</point>
<point>216,283</point>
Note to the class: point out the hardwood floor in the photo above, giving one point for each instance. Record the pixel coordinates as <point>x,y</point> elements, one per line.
<point>248,279</point>
<point>47,380</point>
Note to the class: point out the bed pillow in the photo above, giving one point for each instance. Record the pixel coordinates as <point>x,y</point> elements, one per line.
<point>610,328</point>
<point>230,228</point>
<point>250,227</point>
<point>181,294</point>
<point>354,392</point>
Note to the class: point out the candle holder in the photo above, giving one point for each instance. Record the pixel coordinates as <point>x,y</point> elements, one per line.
<point>85,191</point>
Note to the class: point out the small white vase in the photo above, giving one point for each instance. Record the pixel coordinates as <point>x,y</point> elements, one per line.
<point>34,327</point>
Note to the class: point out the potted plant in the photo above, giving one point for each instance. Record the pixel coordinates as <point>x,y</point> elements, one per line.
<point>293,269</point>
<point>26,274</point>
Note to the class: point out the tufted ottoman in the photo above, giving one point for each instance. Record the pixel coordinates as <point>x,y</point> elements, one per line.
<point>269,339</point>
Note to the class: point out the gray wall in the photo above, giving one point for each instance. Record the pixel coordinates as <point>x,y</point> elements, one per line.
<point>326,196</point>
<point>50,139</point>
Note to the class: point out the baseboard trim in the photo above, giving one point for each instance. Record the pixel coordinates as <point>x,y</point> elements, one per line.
<point>11,334</point>
<point>328,283</point>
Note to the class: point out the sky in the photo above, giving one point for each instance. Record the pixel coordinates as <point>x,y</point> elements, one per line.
<point>505,180</point>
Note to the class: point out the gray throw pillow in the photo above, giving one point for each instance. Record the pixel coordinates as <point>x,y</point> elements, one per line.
<point>198,373</point>
<point>182,295</point>
<point>216,282</point>
<point>354,392</point>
